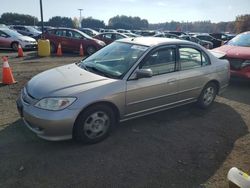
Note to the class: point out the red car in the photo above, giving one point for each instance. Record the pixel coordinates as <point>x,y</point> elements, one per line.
<point>110,37</point>
<point>237,52</point>
<point>71,39</point>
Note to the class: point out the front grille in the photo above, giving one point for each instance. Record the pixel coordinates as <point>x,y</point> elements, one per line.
<point>235,64</point>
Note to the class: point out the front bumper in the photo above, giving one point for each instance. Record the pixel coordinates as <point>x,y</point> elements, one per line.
<point>30,46</point>
<point>49,125</point>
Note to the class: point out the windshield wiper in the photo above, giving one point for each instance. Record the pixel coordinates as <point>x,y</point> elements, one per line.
<point>97,71</point>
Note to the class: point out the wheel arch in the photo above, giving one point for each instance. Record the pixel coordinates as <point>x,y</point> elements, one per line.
<point>105,103</point>
<point>13,43</point>
<point>216,82</point>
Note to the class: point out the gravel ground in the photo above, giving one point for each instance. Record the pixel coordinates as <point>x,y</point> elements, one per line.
<point>182,147</point>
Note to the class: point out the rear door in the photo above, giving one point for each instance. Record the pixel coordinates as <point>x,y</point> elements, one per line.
<point>149,94</point>
<point>5,41</point>
<point>61,37</point>
<point>194,66</point>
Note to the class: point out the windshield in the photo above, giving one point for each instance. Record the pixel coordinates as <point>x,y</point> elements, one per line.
<point>85,35</point>
<point>114,60</point>
<point>33,29</point>
<point>12,33</point>
<point>241,40</point>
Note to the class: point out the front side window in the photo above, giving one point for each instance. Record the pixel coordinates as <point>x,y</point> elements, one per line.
<point>61,33</point>
<point>117,36</point>
<point>2,34</point>
<point>107,36</point>
<point>191,58</point>
<point>161,61</point>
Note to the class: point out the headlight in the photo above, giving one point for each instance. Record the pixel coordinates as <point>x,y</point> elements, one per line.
<point>55,103</point>
<point>245,63</point>
<point>100,43</point>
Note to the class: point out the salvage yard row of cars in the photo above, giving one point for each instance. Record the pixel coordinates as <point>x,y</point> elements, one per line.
<point>236,49</point>
<point>125,77</point>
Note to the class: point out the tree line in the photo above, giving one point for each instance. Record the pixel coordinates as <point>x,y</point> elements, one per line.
<point>241,23</point>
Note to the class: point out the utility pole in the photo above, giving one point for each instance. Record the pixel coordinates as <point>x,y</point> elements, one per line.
<point>41,9</point>
<point>80,9</point>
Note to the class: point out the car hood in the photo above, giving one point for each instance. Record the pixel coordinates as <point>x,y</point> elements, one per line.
<point>26,38</point>
<point>66,80</point>
<point>234,51</point>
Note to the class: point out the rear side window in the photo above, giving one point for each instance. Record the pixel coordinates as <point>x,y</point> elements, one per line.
<point>191,58</point>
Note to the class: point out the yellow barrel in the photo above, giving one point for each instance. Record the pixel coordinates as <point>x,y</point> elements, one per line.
<point>43,47</point>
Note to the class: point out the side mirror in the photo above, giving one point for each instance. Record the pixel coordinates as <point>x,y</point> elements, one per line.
<point>144,73</point>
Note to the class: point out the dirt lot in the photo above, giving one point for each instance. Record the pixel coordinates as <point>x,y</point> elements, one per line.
<point>183,147</point>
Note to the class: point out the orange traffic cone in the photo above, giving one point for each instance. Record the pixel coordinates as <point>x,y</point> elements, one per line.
<point>7,76</point>
<point>59,50</point>
<point>81,50</point>
<point>20,51</point>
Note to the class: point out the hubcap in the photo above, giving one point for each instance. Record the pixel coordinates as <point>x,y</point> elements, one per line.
<point>96,124</point>
<point>15,46</point>
<point>208,95</point>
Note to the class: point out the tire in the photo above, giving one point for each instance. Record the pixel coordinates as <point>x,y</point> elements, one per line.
<point>52,48</point>
<point>91,50</point>
<point>94,124</point>
<point>14,46</point>
<point>207,95</point>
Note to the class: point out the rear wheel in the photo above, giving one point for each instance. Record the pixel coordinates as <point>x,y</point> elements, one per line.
<point>207,95</point>
<point>94,124</point>
<point>91,50</point>
<point>14,46</point>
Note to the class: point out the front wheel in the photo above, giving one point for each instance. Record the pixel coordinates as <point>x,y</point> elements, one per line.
<point>94,124</point>
<point>14,46</point>
<point>207,95</point>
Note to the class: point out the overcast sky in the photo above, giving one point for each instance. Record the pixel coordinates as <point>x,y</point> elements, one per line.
<point>155,11</point>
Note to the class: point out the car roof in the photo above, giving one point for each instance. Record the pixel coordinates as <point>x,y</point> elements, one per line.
<point>153,41</point>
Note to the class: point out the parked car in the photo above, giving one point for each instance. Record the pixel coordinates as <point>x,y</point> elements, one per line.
<point>237,53</point>
<point>167,35</point>
<point>129,78</point>
<point>223,36</point>
<point>206,44</point>
<point>124,31</point>
<point>178,33</point>
<point>10,39</point>
<point>90,32</point>
<point>149,33</point>
<point>110,37</point>
<point>45,28</point>
<point>71,39</point>
<point>131,35</point>
<point>26,30</point>
<point>207,37</point>
<point>106,30</point>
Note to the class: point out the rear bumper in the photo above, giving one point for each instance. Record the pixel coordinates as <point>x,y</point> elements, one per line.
<point>243,73</point>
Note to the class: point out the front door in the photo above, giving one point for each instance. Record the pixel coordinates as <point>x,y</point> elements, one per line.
<point>151,94</point>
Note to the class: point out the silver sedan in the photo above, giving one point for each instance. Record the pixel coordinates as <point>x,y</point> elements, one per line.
<point>11,39</point>
<point>127,79</point>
